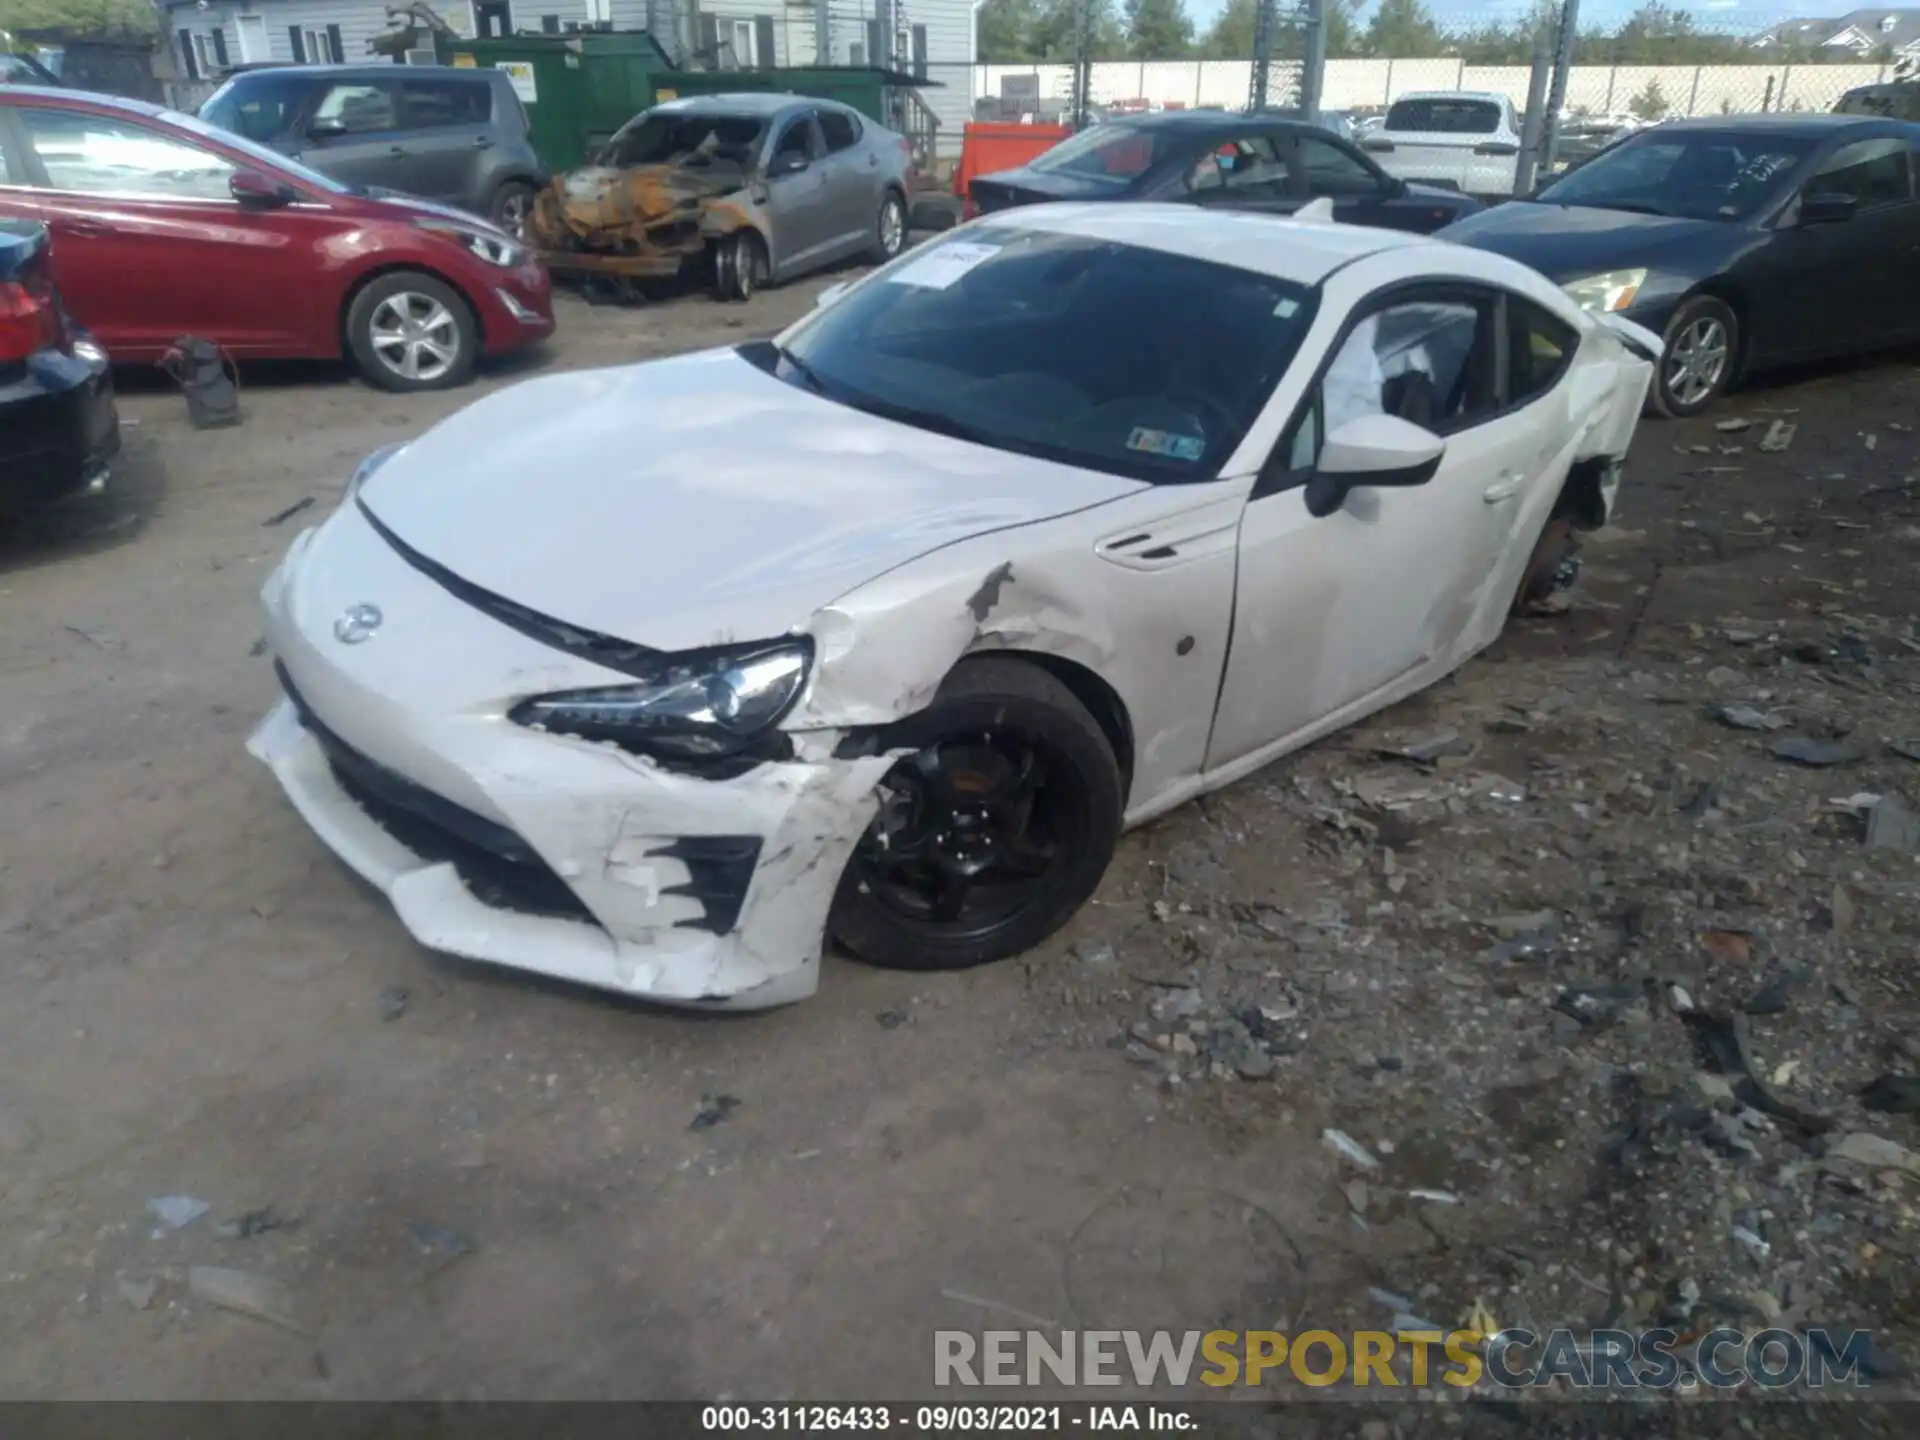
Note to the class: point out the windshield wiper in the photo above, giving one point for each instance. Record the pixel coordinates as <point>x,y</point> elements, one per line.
<point>932,420</point>
<point>1633,207</point>
<point>800,367</point>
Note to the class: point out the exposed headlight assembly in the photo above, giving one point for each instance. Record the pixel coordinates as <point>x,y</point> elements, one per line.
<point>1607,293</point>
<point>705,705</point>
<point>494,249</point>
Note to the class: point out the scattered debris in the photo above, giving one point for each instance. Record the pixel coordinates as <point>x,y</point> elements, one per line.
<point>1872,1152</point>
<point>436,1239</point>
<point>393,1002</point>
<point>1733,426</point>
<point>280,517</point>
<point>1891,825</point>
<point>254,1222</point>
<point>205,372</point>
<point>1772,996</point>
<point>890,1019</point>
<point>176,1212</point>
<point>138,1291</point>
<point>1732,947</point>
<point>1095,952</point>
<point>713,1109</point>
<point>1430,748</point>
<point>1818,754</point>
<point>1748,717</point>
<point>1893,1095</point>
<point>1349,1148</point>
<point>1778,437</point>
<point>245,1293</point>
<point>95,635</point>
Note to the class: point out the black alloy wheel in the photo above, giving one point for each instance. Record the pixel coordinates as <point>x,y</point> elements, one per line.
<point>992,833</point>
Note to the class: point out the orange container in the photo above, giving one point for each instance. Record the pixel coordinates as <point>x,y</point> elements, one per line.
<point>990,146</point>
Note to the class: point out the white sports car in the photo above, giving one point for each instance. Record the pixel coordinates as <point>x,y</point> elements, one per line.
<point>653,677</point>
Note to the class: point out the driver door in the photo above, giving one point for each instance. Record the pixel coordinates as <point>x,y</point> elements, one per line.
<point>1332,614</point>
<point>799,201</point>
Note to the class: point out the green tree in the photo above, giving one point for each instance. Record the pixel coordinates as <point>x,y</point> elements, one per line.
<point>1404,30</point>
<point>1650,104</point>
<point>78,17</point>
<point>1230,37</point>
<point>1158,29</point>
<point>1006,30</point>
<point>1055,23</point>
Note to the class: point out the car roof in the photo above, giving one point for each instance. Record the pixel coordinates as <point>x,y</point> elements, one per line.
<point>1202,120</point>
<point>1303,251</point>
<point>744,102</point>
<point>68,97</point>
<point>1809,123</point>
<point>1490,95</point>
<point>371,72</point>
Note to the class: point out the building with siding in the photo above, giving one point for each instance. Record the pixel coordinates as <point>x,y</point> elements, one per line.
<point>932,38</point>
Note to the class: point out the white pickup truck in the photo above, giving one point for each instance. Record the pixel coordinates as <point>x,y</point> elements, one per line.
<point>1464,139</point>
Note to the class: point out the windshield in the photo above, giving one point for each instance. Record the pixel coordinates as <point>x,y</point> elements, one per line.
<point>1112,153</point>
<point>1694,175</point>
<point>1093,353</point>
<point>260,107</point>
<point>1447,117</point>
<point>688,137</point>
<point>270,160</point>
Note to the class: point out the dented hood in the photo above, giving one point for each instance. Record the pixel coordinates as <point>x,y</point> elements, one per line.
<point>697,500</point>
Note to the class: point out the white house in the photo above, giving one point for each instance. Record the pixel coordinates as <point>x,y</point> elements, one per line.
<point>1862,33</point>
<point>933,38</point>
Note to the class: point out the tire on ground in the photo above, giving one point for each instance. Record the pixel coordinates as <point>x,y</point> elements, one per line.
<point>359,334</point>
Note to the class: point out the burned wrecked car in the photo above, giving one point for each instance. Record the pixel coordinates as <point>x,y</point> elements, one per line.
<point>745,190</point>
<point>917,631</point>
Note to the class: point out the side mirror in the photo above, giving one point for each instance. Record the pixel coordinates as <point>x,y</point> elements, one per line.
<point>1372,451</point>
<point>1827,209</point>
<point>250,187</point>
<point>786,163</point>
<point>327,129</point>
<point>829,295</point>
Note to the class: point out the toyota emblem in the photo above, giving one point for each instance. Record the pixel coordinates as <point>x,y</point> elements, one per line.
<point>357,624</point>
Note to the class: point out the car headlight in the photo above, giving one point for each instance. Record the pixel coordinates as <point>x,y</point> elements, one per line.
<point>367,466</point>
<point>494,249</point>
<point>1607,293</point>
<point>701,705</point>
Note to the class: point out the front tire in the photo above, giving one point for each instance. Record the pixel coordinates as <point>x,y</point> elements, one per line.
<point>410,331</point>
<point>1696,367</point>
<point>889,229</point>
<point>512,206</point>
<point>740,266</point>
<point>992,833</point>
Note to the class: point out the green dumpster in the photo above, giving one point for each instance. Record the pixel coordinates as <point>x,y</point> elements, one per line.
<point>577,89</point>
<point>858,87</point>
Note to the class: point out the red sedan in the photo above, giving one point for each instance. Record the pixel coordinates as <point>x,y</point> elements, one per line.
<point>165,226</point>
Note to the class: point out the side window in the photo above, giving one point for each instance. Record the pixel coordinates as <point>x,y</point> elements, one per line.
<point>425,103</point>
<point>1539,349</point>
<point>1874,172</point>
<point>839,129</point>
<point>796,139</point>
<point>1428,361</point>
<point>92,156</point>
<point>1241,169</point>
<point>357,109</point>
<point>1331,170</point>
<point>6,167</point>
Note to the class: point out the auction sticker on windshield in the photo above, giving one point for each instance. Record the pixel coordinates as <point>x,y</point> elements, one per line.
<point>940,267</point>
<point>1165,442</point>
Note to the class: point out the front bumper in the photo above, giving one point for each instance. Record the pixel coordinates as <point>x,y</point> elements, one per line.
<point>515,306</point>
<point>540,852</point>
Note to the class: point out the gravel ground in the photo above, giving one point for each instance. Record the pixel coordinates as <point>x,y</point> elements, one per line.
<point>1612,998</point>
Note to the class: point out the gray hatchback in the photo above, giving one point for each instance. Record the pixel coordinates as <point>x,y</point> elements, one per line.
<point>458,136</point>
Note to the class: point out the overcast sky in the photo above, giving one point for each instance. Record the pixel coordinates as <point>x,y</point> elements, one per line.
<point>1744,15</point>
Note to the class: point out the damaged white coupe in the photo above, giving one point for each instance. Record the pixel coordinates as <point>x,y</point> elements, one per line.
<point>655,677</point>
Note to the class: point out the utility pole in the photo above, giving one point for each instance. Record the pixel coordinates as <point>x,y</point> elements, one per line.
<point>1082,102</point>
<point>1557,91</point>
<point>1313,59</point>
<point>1534,125</point>
<point>1265,22</point>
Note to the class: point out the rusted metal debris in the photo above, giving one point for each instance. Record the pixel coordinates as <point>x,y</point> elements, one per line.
<point>641,221</point>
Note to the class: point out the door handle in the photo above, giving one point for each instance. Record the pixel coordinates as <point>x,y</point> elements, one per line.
<point>1505,488</point>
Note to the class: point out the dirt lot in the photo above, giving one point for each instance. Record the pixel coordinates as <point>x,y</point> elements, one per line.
<point>1469,966</point>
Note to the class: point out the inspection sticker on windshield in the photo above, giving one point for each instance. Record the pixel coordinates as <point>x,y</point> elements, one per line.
<point>944,264</point>
<point>1166,443</point>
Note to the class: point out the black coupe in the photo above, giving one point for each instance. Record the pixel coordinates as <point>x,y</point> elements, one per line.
<point>1226,161</point>
<point>1746,242</point>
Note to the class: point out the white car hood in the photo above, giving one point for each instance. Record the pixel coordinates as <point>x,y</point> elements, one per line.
<point>697,501</point>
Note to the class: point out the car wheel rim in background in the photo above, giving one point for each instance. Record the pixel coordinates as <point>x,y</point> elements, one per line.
<point>892,227</point>
<point>1697,361</point>
<point>415,336</point>
<point>513,215</point>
